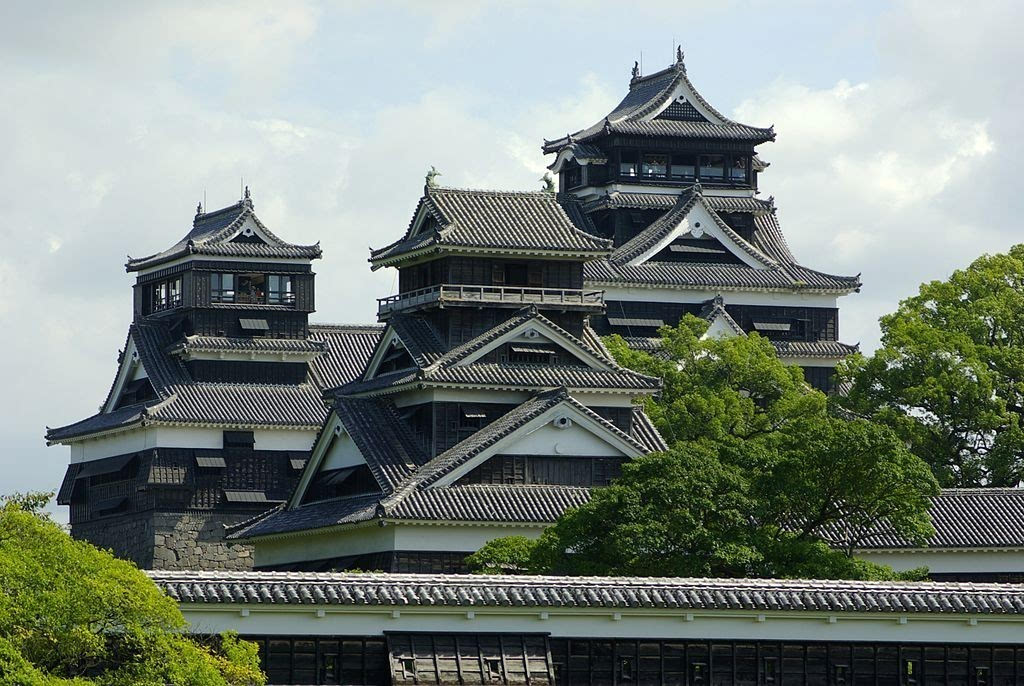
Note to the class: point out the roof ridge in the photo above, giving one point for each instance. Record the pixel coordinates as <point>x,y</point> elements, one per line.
<point>336,325</point>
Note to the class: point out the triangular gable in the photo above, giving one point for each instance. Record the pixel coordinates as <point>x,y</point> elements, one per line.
<point>334,449</point>
<point>130,369</point>
<point>250,231</point>
<point>684,94</point>
<point>563,430</point>
<point>700,221</point>
<point>389,348</point>
<point>721,325</point>
<point>537,330</point>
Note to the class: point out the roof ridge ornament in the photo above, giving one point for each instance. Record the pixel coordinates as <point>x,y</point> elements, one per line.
<point>247,198</point>
<point>679,58</point>
<point>636,71</point>
<point>199,209</point>
<point>430,180</point>
<point>549,182</point>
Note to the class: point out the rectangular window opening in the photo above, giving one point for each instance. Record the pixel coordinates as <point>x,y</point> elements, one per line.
<point>280,290</point>
<point>222,288</point>
<point>628,160</point>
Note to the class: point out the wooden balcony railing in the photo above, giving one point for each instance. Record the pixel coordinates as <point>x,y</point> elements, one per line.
<point>570,298</point>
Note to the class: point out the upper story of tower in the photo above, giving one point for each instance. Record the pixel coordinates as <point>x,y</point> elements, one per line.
<point>663,135</point>
<point>229,276</point>
<point>469,258</point>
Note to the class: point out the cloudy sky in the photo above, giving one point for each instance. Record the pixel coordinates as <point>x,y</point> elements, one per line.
<point>898,140</point>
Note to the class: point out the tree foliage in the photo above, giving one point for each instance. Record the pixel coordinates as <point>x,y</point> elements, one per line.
<point>762,479</point>
<point>949,376</point>
<point>73,614</point>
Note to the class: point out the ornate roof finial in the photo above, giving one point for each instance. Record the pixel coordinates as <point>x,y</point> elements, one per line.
<point>247,196</point>
<point>719,300</point>
<point>679,54</point>
<point>199,209</point>
<point>636,70</point>
<point>431,178</point>
<point>549,182</point>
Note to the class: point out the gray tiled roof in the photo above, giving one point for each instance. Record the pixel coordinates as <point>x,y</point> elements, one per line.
<point>650,94</point>
<point>409,480</point>
<point>825,349</point>
<point>530,222</point>
<point>644,432</point>
<point>182,400</point>
<point>541,376</point>
<point>768,247</point>
<point>412,590</point>
<point>968,518</point>
<point>219,344</point>
<point>665,201</point>
<point>383,439</point>
<point>211,233</point>
<point>440,368</point>
<point>472,446</point>
<point>534,504</point>
<point>419,337</point>
<point>657,231</point>
<point>713,309</point>
<point>708,275</point>
<point>349,347</point>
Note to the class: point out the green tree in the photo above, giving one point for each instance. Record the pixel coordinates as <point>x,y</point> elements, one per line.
<point>719,388</point>
<point>762,478</point>
<point>73,614</point>
<point>949,376</point>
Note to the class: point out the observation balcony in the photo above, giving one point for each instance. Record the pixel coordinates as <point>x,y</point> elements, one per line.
<point>491,296</point>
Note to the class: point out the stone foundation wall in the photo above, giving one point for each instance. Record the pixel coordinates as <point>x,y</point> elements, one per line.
<point>163,540</point>
<point>129,536</point>
<point>195,540</point>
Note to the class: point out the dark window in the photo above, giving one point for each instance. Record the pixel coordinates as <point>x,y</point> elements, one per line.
<point>251,289</point>
<point>343,482</point>
<point>738,169</point>
<point>655,166</point>
<point>628,160</point>
<point>517,275</point>
<point>167,294</point>
<point>239,439</point>
<point>222,288</point>
<point>684,167</point>
<point>573,175</point>
<point>712,167</point>
<point>279,290</point>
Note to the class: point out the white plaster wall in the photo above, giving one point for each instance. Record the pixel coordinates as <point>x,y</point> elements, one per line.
<point>719,329</point>
<point>952,561</point>
<point>283,439</point>
<point>182,437</point>
<point>353,541</point>
<point>466,539</point>
<point>373,538</point>
<point>342,453</point>
<point>796,626</point>
<point>574,440</point>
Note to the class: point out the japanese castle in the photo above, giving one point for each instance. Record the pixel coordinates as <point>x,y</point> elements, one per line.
<point>260,463</point>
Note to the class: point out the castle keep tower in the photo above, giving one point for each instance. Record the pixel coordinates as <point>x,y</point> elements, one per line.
<point>673,183</point>
<point>488,407</point>
<point>216,400</point>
